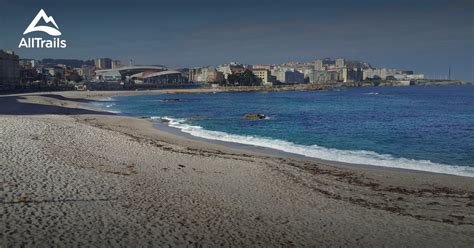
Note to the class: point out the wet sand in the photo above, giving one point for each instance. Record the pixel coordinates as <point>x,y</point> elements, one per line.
<point>75,176</point>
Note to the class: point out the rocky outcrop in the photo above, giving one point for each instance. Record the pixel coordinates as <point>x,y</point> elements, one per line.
<point>254,116</point>
<point>170,100</point>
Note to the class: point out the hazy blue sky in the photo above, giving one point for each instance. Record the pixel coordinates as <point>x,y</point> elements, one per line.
<point>426,35</point>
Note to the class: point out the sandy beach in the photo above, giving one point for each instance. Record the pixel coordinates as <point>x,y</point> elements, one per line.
<point>76,176</point>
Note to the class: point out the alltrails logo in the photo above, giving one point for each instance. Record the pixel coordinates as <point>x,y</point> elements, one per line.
<point>38,42</point>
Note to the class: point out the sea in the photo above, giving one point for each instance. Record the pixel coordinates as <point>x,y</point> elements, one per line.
<point>427,128</point>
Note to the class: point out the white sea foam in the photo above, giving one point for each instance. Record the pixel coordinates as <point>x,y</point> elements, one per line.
<point>315,151</point>
<point>105,104</point>
<point>114,111</point>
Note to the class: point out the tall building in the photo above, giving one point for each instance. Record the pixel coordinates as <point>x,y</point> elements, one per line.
<point>279,74</point>
<point>324,77</point>
<point>318,65</point>
<point>98,63</point>
<point>103,63</point>
<point>9,70</point>
<point>288,75</point>
<point>340,63</point>
<point>116,64</point>
<point>264,75</point>
<point>28,63</point>
<point>352,75</point>
<point>198,74</point>
<point>294,77</point>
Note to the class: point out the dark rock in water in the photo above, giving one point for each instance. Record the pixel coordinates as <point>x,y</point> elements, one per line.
<point>254,116</point>
<point>170,100</point>
<point>163,120</point>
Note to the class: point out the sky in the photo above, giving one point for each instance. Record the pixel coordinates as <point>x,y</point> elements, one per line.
<point>426,36</point>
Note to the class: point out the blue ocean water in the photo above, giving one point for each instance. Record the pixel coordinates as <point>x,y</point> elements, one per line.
<point>428,128</point>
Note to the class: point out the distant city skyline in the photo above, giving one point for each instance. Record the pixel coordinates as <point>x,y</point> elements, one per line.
<point>424,36</point>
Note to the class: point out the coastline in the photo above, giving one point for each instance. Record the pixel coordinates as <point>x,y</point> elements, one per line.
<point>262,145</point>
<point>305,195</point>
<point>266,151</point>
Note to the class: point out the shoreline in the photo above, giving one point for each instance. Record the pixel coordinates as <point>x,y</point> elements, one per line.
<point>93,96</point>
<point>284,87</point>
<point>269,150</point>
<point>98,94</point>
<point>262,150</point>
<point>148,186</point>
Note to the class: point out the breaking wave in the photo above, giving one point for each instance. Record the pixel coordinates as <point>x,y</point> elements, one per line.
<point>315,151</point>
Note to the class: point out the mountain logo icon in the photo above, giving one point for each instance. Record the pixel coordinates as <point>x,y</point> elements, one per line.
<point>47,29</point>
